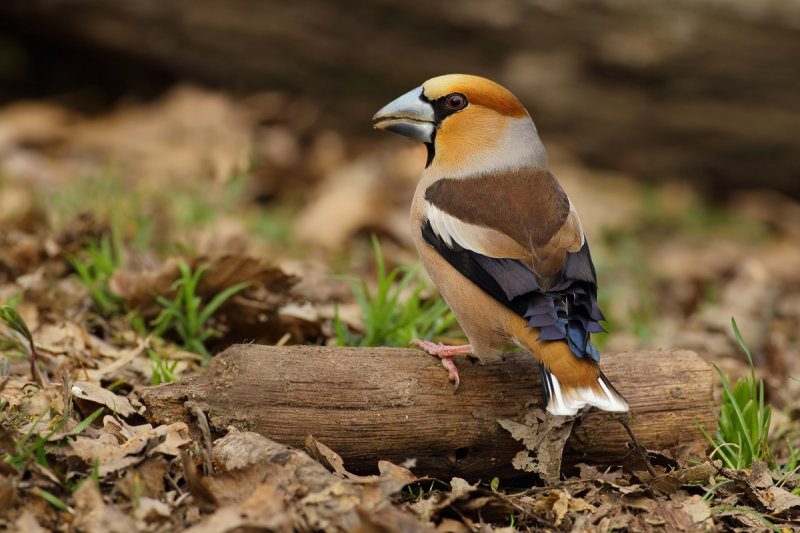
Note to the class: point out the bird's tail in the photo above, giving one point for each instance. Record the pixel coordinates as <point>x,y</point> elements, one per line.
<point>567,399</point>
<point>570,382</point>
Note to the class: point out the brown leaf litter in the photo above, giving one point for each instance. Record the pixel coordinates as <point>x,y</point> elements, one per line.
<point>264,484</point>
<point>155,478</point>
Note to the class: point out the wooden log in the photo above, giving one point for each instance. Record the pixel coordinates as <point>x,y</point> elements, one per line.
<point>369,404</point>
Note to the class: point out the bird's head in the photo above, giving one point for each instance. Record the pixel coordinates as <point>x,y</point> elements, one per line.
<point>469,124</point>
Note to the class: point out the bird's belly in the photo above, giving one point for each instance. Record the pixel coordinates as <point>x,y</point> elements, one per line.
<point>484,320</point>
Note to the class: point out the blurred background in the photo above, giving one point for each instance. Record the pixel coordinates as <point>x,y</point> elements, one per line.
<point>242,129</point>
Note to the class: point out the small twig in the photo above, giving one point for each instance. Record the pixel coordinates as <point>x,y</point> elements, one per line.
<point>284,339</point>
<point>67,390</point>
<point>171,479</point>
<point>174,484</point>
<point>202,422</point>
<point>204,497</point>
<point>637,447</point>
<point>35,372</point>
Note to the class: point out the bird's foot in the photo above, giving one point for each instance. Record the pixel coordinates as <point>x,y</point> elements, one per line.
<point>445,353</point>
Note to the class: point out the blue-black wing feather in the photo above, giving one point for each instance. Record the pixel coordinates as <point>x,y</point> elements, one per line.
<point>568,311</point>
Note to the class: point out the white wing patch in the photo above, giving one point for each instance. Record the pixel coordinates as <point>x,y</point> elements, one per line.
<point>480,239</point>
<point>574,214</point>
<point>493,243</point>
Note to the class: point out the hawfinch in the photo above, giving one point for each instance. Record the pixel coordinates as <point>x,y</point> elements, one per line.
<point>500,239</point>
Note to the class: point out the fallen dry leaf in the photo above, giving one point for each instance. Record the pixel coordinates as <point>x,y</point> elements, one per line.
<point>460,488</point>
<point>28,523</point>
<point>119,446</point>
<point>8,493</point>
<point>781,500</point>
<point>92,515</point>
<point>145,480</point>
<point>326,457</point>
<point>149,511</point>
<point>314,497</point>
<point>15,393</point>
<point>93,395</point>
<point>558,501</point>
<point>544,436</point>
<point>448,525</point>
<point>264,510</point>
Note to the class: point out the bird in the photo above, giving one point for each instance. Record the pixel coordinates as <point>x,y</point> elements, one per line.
<point>500,239</point>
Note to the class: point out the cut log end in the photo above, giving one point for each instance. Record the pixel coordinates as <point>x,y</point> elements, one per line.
<point>369,404</point>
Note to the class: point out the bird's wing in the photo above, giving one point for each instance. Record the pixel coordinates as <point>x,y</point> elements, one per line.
<point>518,237</point>
<point>521,214</point>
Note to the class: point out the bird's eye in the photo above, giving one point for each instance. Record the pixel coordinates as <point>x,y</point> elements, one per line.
<point>456,101</point>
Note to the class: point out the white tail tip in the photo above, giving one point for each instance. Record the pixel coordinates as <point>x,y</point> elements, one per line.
<point>567,401</point>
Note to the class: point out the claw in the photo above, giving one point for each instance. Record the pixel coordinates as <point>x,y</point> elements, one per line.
<point>446,354</point>
<point>452,371</point>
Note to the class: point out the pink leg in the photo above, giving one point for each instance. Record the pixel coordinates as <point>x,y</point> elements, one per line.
<point>446,353</point>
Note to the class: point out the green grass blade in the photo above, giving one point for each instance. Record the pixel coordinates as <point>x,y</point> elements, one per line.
<point>219,299</point>
<point>391,316</point>
<point>744,347</point>
<point>14,321</point>
<point>55,501</point>
<point>85,422</point>
<point>343,336</point>
<point>378,256</point>
<point>749,511</point>
<point>30,432</point>
<point>737,410</point>
<point>722,450</point>
<point>710,492</point>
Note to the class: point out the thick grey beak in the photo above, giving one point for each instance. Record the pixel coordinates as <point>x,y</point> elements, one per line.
<point>408,115</point>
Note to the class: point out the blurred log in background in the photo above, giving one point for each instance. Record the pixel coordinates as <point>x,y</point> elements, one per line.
<point>703,91</point>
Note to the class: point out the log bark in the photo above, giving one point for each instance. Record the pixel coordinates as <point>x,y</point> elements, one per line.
<point>369,404</point>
